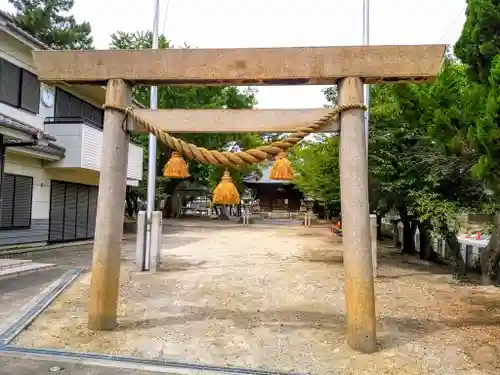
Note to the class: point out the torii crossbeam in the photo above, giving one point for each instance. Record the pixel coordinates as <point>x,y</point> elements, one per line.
<point>234,120</point>
<point>242,66</point>
<point>349,67</point>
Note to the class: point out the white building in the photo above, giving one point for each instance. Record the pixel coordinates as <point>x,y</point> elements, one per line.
<point>50,187</point>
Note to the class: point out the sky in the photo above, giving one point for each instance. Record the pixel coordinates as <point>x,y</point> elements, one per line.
<point>277,23</point>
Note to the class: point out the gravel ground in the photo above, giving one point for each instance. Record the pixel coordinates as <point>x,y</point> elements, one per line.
<point>273,298</point>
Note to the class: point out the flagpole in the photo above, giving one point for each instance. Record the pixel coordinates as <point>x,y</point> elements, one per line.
<point>153,104</point>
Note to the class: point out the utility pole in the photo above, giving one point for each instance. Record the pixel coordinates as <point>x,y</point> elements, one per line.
<point>153,104</point>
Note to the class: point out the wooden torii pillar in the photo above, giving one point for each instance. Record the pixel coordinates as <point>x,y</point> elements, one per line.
<point>349,67</point>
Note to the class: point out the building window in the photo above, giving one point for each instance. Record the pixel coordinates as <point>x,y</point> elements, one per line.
<point>18,87</point>
<point>30,92</point>
<point>16,203</point>
<point>69,106</point>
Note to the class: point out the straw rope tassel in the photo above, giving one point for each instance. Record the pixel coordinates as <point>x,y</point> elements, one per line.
<point>282,168</point>
<point>176,167</point>
<point>226,192</point>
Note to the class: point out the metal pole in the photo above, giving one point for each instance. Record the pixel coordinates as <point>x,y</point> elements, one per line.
<point>366,88</point>
<point>153,104</point>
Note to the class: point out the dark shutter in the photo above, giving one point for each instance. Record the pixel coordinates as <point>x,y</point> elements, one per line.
<point>82,206</point>
<point>30,92</point>
<point>61,103</point>
<point>10,83</point>
<point>68,105</point>
<point>87,112</point>
<point>75,107</point>
<point>23,193</point>
<point>70,212</point>
<point>16,205</point>
<point>98,115</point>
<point>56,219</point>
<point>93,192</point>
<point>7,201</point>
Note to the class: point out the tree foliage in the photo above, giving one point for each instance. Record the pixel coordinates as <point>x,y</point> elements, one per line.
<point>316,165</point>
<point>479,49</point>
<point>331,95</point>
<point>49,21</point>
<point>429,146</point>
<point>479,42</point>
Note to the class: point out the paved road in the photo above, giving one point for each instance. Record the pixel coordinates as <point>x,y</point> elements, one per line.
<point>66,256</point>
<point>16,292</point>
<point>11,365</point>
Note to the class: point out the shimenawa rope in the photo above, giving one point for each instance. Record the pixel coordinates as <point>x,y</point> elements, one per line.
<point>234,159</point>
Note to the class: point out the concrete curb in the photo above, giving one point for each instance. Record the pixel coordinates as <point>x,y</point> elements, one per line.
<point>25,250</point>
<point>25,270</point>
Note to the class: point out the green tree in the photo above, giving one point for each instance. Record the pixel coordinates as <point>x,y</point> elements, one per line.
<point>394,145</point>
<point>429,174</point>
<point>420,157</point>
<point>443,115</point>
<point>316,165</point>
<point>331,95</point>
<point>189,97</point>
<point>479,48</point>
<point>49,21</point>
<point>479,42</point>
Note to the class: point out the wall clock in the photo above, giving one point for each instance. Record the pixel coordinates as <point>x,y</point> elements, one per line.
<point>47,96</point>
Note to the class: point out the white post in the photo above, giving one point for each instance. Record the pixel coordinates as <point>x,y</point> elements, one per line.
<point>156,239</point>
<point>153,103</point>
<point>245,214</point>
<point>373,237</point>
<point>307,219</point>
<point>435,244</point>
<point>140,241</point>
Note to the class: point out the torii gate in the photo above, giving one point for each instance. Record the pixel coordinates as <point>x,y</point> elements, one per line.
<point>349,67</point>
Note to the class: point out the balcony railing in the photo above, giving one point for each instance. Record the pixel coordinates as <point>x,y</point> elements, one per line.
<point>82,138</point>
<point>74,120</point>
